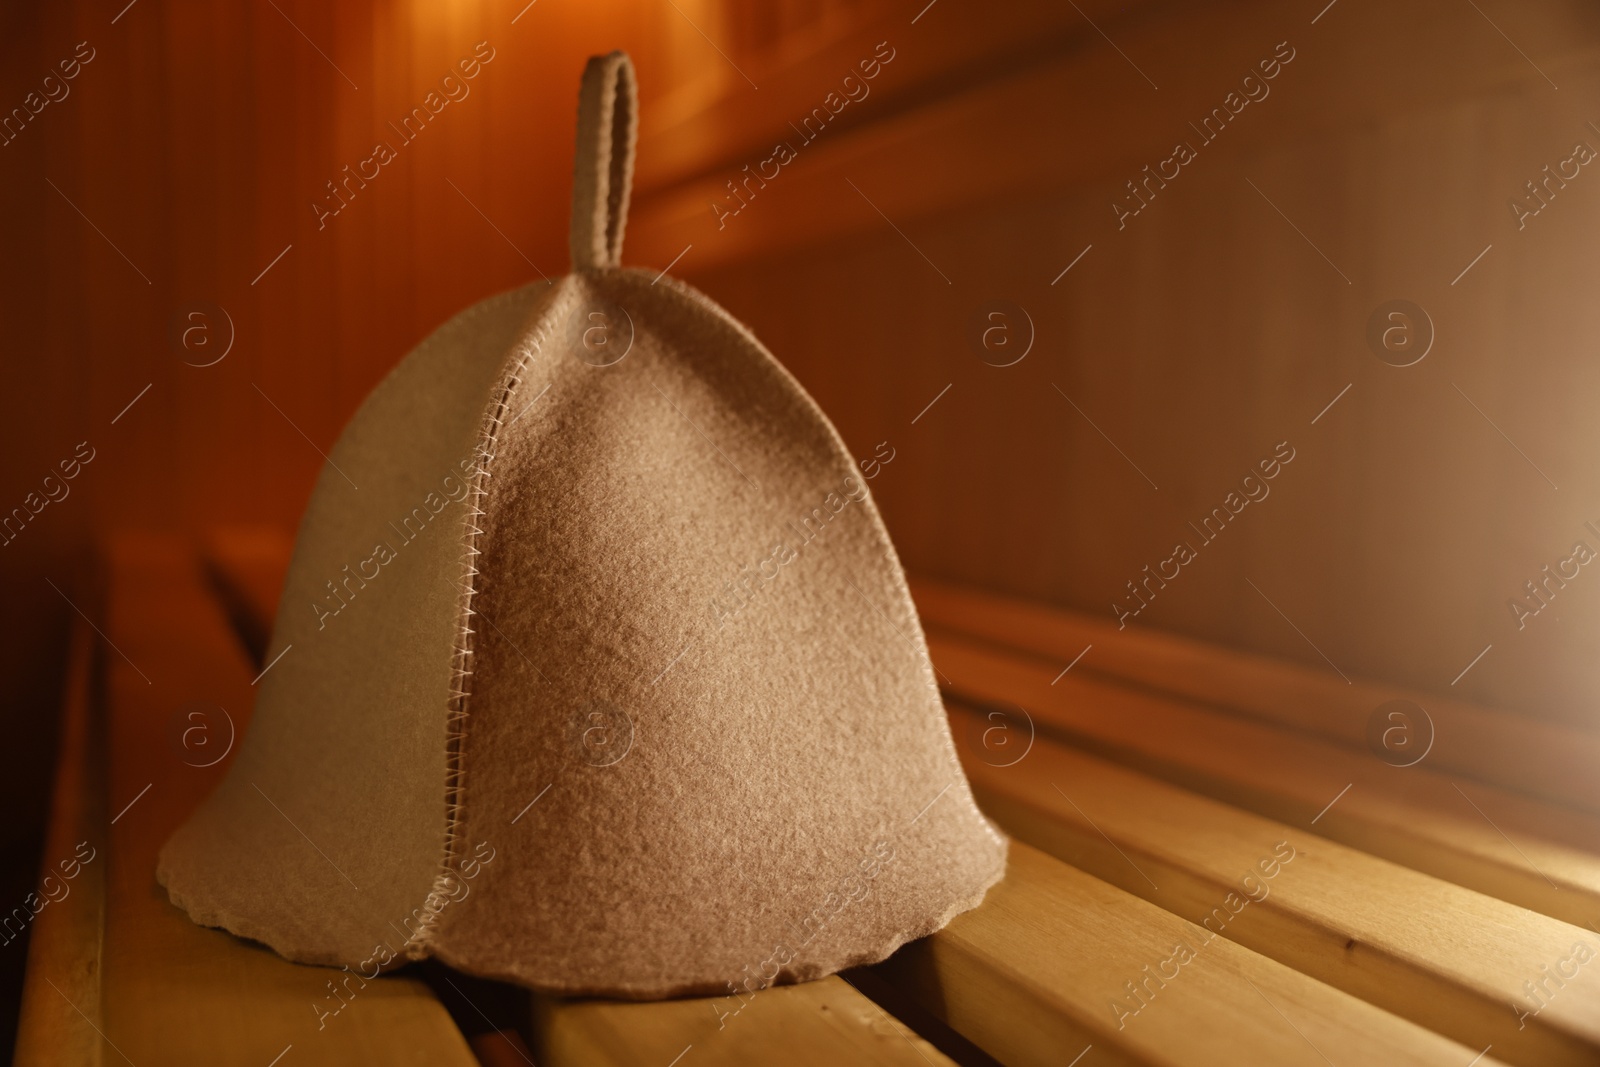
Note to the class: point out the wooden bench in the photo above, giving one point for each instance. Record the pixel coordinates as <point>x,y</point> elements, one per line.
<point>1191,880</point>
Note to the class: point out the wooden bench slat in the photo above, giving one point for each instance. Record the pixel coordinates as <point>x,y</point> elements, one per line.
<point>1505,844</point>
<point>1536,756</point>
<point>61,989</point>
<point>1032,977</point>
<point>1446,957</point>
<point>823,1022</point>
<point>174,992</point>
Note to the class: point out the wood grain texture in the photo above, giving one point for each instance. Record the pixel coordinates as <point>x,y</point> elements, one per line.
<point>1533,756</point>
<point>1445,957</point>
<point>1033,977</point>
<point>1201,334</point>
<point>825,1021</point>
<point>173,992</point>
<point>1208,330</point>
<point>1506,845</point>
<point>701,140</point>
<point>61,997</point>
<point>1019,97</point>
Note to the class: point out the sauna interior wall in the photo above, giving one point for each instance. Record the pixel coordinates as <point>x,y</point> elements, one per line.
<point>1192,340</point>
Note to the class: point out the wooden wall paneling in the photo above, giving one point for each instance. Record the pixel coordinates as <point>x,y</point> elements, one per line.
<point>285,362</point>
<point>1396,135</point>
<point>1056,118</point>
<point>192,164</point>
<point>1211,329</point>
<point>99,136</point>
<point>686,135</point>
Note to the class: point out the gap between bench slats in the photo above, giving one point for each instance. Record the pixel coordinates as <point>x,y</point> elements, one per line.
<point>1446,957</point>
<point>1504,844</point>
<point>1536,756</point>
<point>1055,961</point>
<point>822,1022</point>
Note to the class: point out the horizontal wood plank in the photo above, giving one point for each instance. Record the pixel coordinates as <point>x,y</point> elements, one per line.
<point>1043,970</point>
<point>1446,957</point>
<point>683,135</point>
<point>60,1008</point>
<point>1531,755</point>
<point>1501,843</point>
<point>570,1031</point>
<point>824,1022</point>
<point>987,144</point>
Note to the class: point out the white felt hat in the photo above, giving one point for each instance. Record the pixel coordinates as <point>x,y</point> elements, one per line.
<point>602,674</point>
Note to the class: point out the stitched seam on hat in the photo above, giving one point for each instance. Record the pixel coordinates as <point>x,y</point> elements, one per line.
<point>444,882</point>
<point>439,894</point>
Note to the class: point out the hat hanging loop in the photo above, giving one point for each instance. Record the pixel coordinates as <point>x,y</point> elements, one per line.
<point>608,125</point>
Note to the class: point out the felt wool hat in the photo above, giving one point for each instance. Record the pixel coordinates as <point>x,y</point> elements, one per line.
<point>595,669</point>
